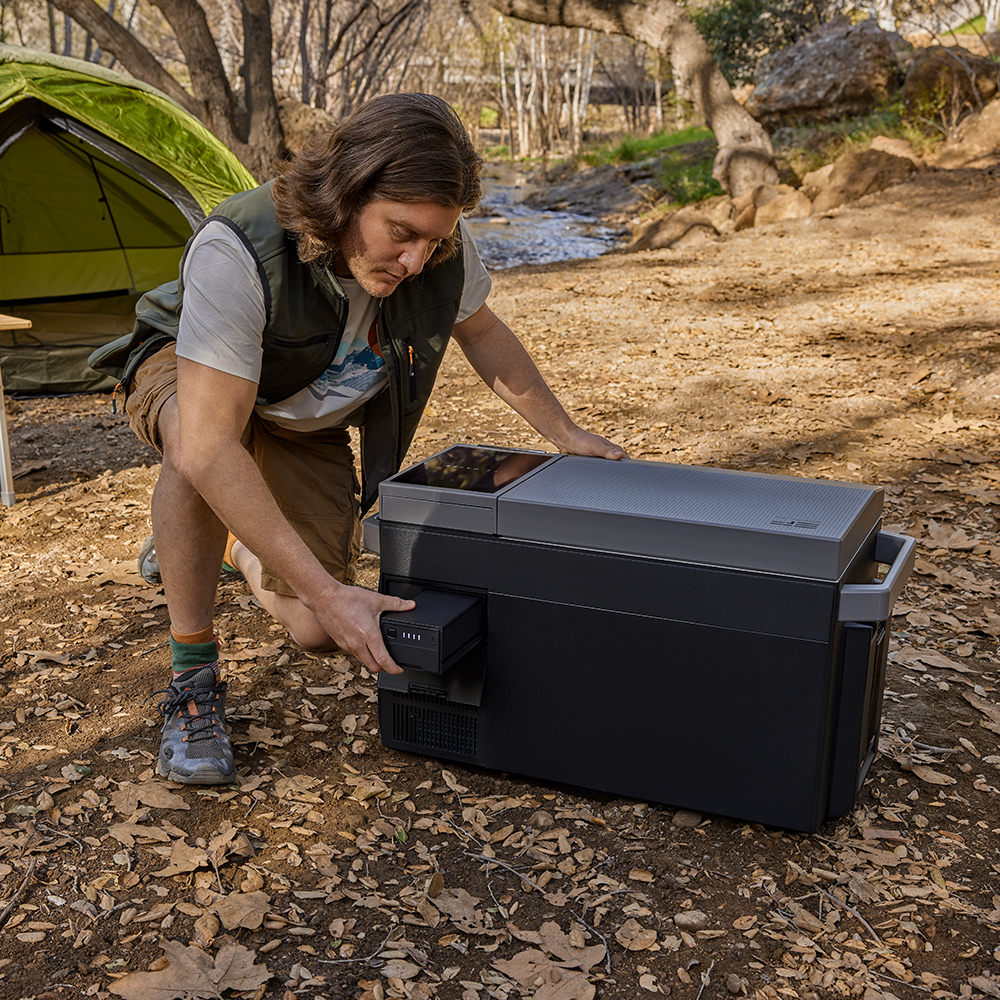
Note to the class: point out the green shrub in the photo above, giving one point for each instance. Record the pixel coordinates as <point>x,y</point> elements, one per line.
<point>685,181</point>
<point>739,32</point>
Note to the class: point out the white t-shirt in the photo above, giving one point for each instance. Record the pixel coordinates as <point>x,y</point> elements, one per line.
<point>223,318</point>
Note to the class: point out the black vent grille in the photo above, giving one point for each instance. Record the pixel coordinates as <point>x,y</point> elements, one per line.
<point>432,724</point>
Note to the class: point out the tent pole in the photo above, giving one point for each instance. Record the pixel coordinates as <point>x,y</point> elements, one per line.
<point>114,225</point>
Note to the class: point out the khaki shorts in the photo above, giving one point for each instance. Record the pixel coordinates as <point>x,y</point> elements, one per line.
<point>311,475</point>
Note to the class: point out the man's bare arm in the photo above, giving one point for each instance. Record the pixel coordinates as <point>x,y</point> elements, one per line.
<point>505,366</point>
<point>213,409</point>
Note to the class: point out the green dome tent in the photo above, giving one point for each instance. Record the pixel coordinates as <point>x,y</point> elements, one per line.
<point>102,180</point>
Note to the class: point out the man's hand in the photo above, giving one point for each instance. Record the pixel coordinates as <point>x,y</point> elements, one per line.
<point>504,365</point>
<point>581,442</point>
<point>351,615</point>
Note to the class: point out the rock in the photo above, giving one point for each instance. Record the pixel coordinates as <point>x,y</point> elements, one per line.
<point>718,209</point>
<point>541,820</point>
<point>760,196</point>
<point>686,819</point>
<point>898,147</point>
<point>686,227</point>
<point>944,79</point>
<point>691,920</point>
<point>793,205</point>
<point>734,983</point>
<point>766,193</point>
<point>598,191</point>
<point>979,137</point>
<point>746,218</point>
<point>816,180</point>
<point>857,174</point>
<point>839,69</point>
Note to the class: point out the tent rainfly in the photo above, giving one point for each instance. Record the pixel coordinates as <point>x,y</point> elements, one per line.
<point>102,181</point>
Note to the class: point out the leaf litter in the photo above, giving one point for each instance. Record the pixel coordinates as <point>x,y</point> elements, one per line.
<point>334,868</point>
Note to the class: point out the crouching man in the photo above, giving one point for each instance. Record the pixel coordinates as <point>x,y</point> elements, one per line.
<point>319,301</point>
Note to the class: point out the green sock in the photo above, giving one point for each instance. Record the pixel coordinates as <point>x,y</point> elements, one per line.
<point>188,655</point>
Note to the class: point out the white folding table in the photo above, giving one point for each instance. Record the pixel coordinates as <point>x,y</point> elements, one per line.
<point>6,473</point>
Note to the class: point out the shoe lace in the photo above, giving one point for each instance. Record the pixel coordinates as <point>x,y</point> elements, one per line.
<point>200,724</point>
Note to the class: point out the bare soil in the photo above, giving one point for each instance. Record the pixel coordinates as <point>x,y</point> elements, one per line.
<point>860,345</point>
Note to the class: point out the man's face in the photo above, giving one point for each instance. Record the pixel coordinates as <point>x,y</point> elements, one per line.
<point>388,241</point>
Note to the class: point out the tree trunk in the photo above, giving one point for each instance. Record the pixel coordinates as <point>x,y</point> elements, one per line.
<point>991,8</point>
<point>52,27</point>
<point>504,99</point>
<point>746,157</point>
<point>136,58</point>
<point>254,135</point>
<point>265,141</point>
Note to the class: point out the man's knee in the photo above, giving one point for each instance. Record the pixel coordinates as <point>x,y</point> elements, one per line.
<point>312,638</point>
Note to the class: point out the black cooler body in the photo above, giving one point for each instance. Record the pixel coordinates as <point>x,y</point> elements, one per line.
<point>708,639</point>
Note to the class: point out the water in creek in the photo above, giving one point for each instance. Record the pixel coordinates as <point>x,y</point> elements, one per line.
<point>519,234</point>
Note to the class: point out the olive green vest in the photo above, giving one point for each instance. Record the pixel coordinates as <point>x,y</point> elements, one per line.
<point>306,311</point>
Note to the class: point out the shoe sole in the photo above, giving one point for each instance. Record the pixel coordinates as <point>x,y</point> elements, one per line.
<point>227,574</point>
<point>153,578</point>
<point>199,776</point>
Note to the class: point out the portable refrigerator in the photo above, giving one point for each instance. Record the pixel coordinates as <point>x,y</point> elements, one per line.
<point>698,637</point>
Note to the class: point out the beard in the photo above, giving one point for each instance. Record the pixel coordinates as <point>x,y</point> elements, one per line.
<point>379,278</point>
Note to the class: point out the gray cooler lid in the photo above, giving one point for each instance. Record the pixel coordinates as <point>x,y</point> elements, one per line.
<point>719,517</point>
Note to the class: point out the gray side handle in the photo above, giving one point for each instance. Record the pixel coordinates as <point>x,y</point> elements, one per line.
<point>872,602</point>
<point>369,533</point>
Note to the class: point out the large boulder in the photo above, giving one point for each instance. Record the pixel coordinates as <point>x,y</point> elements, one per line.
<point>856,174</point>
<point>946,81</point>
<point>840,69</point>
<point>792,205</point>
<point>977,143</point>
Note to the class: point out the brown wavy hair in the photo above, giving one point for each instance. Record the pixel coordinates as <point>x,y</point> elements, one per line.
<point>398,147</point>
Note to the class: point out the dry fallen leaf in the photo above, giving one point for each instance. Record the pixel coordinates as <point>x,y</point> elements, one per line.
<point>183,858</point>
<point>193,975</point>
<point>242,909</point>
<point>534,970</point>
<point>559,945</point>
<point>151,793</point>
<point>634,937</point>
<point>206,927</point>
<point>125,833</point>
<point>461,908</point>
<point>452,782</point>
<point>932,777</point>
<point>398,968</point>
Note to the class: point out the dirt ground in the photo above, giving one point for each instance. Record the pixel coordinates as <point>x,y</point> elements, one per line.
<point>861,345</point>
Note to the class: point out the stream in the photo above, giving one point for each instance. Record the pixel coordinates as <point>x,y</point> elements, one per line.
<point>518,234</point>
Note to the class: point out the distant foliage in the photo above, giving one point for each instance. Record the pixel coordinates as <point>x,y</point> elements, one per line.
<point>740,32</point>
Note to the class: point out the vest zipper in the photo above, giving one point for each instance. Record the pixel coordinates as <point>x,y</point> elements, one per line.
<point>412,370</point>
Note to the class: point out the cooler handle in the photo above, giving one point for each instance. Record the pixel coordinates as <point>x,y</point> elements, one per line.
<point>370,534</point>
<point>872,602</point>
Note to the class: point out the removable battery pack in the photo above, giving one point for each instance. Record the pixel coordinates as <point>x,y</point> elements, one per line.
<point>438,632</point>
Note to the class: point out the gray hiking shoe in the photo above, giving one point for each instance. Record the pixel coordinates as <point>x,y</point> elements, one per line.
<point>149,566</point>
<point>194,747</point>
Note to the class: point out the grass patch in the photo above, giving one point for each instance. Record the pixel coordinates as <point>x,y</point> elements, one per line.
<point>641,147</point>
<point>977,26</point>
<point>811,147</point>
<point>686,180</point>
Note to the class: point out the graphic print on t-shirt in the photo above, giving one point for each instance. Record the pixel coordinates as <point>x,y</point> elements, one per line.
<point>355,370</point>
